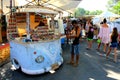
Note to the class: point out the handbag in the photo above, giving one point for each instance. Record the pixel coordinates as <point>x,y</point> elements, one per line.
<point>98,40</point>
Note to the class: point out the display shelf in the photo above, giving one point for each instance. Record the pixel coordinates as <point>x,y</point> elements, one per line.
<point>12,20</point>
<point>12,24</point>
<point>38,18</point>
<point>20,14</point>
<point>12,32</point>
<point>43,33</point>
<point>12,36</point>
<point>12,16</point>
<point>45,21</point>
<point>21,17</point>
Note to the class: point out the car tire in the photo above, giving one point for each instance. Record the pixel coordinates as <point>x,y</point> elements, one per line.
<point>16,64</point>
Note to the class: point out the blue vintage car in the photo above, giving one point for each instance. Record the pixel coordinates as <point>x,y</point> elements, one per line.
<point>36,57</point>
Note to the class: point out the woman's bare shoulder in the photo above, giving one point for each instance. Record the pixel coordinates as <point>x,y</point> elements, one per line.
<point>105,25</point>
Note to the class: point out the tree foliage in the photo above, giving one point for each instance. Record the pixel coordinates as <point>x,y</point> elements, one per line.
<point>79,12</point>
<point>117,8</point>
<point>114,6</point>
<point>82,12</point>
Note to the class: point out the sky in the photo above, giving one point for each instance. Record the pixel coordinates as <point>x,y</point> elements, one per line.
<point>93,4</point>
<point>22,2</point>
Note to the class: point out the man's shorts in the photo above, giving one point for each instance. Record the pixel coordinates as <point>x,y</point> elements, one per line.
<point>75,49</point>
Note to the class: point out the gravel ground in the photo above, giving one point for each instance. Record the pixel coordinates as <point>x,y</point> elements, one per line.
<point>6,72</point>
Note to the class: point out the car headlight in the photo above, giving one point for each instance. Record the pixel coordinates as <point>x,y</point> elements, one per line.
<point>39,59</point>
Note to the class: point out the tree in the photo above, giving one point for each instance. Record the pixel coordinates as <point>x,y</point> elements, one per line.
<point>114,6</point>
<point>117,8</point>
<point>92,13</point>
<point>79,12</point>
<point>87,12</point>
<point>98,12</point>
<point>82,12</point>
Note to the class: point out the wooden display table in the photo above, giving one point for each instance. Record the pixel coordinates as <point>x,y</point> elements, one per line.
<point>4,53</point>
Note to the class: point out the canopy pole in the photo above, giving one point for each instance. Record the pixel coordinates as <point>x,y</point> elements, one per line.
<point>28,24</point>
<point>60,15</point>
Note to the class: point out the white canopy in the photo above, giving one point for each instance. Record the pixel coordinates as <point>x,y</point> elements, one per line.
<point>108,14</point>
<point>96,20</point>
<point>66,5</point>
<point>63,5</point>
<point>39,9</point>
<point>117,20</point>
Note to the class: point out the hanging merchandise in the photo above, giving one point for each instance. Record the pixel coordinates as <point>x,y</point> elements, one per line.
<point>11,28</point>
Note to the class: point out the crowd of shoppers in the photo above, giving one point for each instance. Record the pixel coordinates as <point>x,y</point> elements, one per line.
<point>74,30</point>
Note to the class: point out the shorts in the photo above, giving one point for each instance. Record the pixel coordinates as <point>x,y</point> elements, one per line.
<point>75,49</point>
<point>89,39</point>
<point>114,45</point>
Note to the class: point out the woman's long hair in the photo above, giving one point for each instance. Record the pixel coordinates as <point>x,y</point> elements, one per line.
<point>115,32</point>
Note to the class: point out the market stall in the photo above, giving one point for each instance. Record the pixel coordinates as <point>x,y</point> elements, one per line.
<point>35,44</point>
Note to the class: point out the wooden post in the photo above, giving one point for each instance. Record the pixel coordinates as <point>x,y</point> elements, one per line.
<point>52,22</point>
<point>1,13</point>
<point>28,25</point>
<point>0,35</point>
<point>1,25</point>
